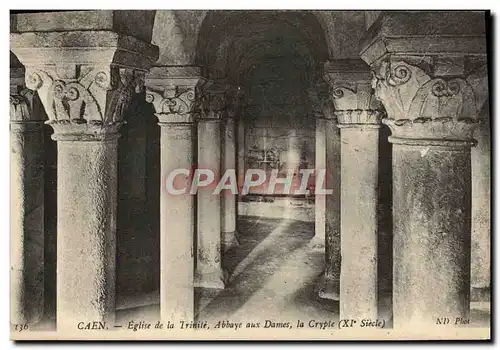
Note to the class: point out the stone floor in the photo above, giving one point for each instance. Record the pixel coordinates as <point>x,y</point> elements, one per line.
<point>273,274</point>
<point>272,277</point>
<point>272,270</point>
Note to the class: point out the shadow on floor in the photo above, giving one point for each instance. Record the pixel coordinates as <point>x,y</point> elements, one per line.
<point>252,230</point>
<point>271,254</point>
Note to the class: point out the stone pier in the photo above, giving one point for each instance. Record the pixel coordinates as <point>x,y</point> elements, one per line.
<point>481,192</point>
<point>85,92</point>
<point>209,272</point>
<point>317,96</point>
<point>358,223</point>
<point>432,113</point>
<point>240,143</point>
<point>358,115</point>
<point>27,203</point>
<point>329,285</point>
<point>229,199</point>
<point>173,92</point>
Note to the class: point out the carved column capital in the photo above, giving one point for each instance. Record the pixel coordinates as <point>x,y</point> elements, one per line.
<point>318,97</point>
<point>174,93</point>
<point>173,106</point>
<point>84,102</point>
<point>85,80</point>
<point>423,101</point>
<point>352,93</point>
<point>212,104</point>
<point>329,109</point>
<point>478,80</point>
<point>366,118</point>
<point>426,76</point>
<point>25,106</point>
<point>20,109</point>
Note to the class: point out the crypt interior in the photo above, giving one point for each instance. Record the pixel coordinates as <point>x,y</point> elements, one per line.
<point>392,104</point>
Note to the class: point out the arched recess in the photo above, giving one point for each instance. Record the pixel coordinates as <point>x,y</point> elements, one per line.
<point>276,57</point>
<point>230,42</point>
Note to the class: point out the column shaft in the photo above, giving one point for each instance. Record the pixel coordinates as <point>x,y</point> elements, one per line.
<point>209,266</point>
<point>359,167</point>
<point>241,153</point>
<point>228,198</point>
<point>432,199</point>
<point>177,225</point>
<point>330,285</point>
<point>432,102</point>
<point>318,241</point>
<point>481,223</point>
<point>358,117</point>
<point>174,100</point>
<point>86,226</point>
<point>26,221</point>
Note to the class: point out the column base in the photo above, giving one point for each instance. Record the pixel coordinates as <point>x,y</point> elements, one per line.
<point>317,243</point>
<point>210,280</point>
<point>480,294</point>
<point>230,240</point>
<point>328,288</point>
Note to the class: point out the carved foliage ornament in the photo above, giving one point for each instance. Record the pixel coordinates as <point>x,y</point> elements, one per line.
<point>344,97</point>
<point>423,107</point>
<point>181,103</point>
<point>19,106</point>
<point>328,108</point>
<point>355,95</point>
<point>25,106</point>
<point>362,117</point>
<point>478,79</point>
<point>319,99</point>
<point>94,95</point>
<point>409,93</point>
<point>211,105</point>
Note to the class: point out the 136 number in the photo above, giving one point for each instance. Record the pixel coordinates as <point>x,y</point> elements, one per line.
<point>20,327</point>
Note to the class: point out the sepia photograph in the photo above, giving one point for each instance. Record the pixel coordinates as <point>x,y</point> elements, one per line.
<point>250,174</point>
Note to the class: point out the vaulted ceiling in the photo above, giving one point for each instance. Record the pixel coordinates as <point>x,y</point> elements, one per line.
<point>232,44</point>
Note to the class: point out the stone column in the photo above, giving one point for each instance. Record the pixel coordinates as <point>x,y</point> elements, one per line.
<point>481,192</point>
<point>329,285</point>
<point>173,98</point>
<point>317,95</point>
<point>318,241</point>
<point>27,203</point>
<point>481,215</point>
<point>209,273</point>
<point>240,142</point>
<point>431,222</point>
<point>84,101</point>
<point>432,114</point>
<point>358,224</point>
<point>230,236</point>
<point>358,118</point>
